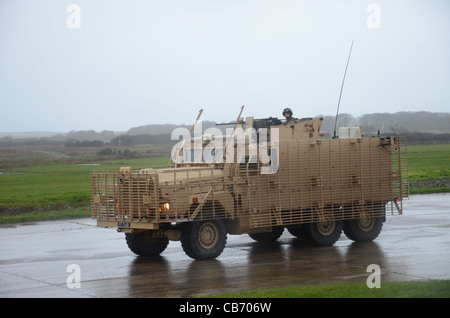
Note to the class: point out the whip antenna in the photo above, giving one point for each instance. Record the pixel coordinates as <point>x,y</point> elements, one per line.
<point>342,87</point>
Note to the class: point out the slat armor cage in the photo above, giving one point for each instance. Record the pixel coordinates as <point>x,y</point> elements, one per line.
<point>317,180</point>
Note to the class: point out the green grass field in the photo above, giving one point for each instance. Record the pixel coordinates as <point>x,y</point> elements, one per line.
<point>58,184</point>
<point>429,162</point>
<point>49,191</point>
<point>30,188</point>
<point>429,168</point>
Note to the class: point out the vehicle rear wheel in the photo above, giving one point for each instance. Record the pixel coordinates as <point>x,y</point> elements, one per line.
<point>268,237</point>
<point>323,233</point>
<point>144,244</point>
<point>296,230</point>
<point>363,229</point>
<point>203,240</point>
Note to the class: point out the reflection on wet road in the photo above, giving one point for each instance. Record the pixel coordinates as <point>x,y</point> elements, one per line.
<point>33,262</point>
<point>254,266</point>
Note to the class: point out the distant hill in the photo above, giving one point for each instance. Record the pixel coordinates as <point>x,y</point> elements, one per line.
<point>160,129</point>
<point>90,135</point>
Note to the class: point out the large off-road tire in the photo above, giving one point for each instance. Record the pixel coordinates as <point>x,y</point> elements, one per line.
<point>203,240</point>
<point>143,244</point>
<point>296,230</point>
<point>268,237</point>
<point>363,229</point>
<point>323,233</point>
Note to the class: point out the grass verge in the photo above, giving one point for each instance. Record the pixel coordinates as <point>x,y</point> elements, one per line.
<point>410,289</point>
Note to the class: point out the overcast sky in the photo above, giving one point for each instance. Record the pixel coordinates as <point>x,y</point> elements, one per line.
<point>113,65</point>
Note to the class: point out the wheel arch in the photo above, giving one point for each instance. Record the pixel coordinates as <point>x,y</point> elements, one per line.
<point>212,209</point>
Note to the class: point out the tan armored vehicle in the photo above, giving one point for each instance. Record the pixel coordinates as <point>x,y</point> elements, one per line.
<point>261,178</point>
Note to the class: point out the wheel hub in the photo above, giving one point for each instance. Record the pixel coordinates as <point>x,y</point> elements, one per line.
<point>366,223</point>
<point>207,235</point>
<point>326,227</point>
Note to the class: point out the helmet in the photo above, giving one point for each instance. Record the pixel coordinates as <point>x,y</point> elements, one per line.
<point>287,110</point>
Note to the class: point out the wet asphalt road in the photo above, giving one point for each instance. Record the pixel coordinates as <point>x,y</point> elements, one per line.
<point>36,259</point>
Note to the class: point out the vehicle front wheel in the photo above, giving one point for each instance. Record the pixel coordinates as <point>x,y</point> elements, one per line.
<point>203,240</point>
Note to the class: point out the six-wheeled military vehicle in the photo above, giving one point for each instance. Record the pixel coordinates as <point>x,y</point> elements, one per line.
<point>259,179</point>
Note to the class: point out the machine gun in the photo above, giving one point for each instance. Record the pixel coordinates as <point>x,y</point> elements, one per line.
<point>257,123</point>
<point>266,122</point>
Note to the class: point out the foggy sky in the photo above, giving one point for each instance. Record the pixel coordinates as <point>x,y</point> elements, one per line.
<point>134,63</point>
